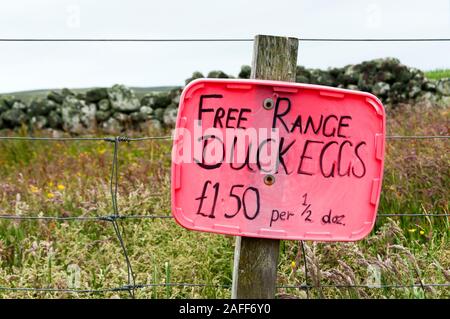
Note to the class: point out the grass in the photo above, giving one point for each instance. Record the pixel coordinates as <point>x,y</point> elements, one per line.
<point>72,179</point>
<point>27,96</point>
<point>438,74</point>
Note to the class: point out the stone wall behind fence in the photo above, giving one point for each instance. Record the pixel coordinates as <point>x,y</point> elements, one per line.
<point>113,110</point>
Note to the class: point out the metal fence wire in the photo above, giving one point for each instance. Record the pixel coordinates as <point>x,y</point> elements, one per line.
<point>115,217</point>
<point>131,286</point>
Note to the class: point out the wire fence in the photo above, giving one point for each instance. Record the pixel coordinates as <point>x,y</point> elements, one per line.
<point>115,217</point>
<point>219,39</point>
<point>131,286</point>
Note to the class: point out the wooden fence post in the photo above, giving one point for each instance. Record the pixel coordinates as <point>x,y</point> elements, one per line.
<point>256,259</point>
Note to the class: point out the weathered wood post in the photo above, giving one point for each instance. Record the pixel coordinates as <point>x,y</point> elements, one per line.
<point>256,259</point>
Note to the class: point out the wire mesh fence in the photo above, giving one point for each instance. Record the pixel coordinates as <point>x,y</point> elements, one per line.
<point>115,217</point>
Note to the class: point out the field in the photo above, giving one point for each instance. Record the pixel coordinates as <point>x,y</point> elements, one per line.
<point>72,179</point>
<point>438,74</point>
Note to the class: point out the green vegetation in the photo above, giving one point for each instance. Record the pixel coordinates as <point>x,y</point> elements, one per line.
<point>72,179</point>
<point>438,74</point>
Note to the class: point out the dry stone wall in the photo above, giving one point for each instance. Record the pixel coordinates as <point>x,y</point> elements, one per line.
<point>116,109</point>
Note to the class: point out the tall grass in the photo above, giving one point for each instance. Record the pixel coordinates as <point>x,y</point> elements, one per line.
<point>72,179</point>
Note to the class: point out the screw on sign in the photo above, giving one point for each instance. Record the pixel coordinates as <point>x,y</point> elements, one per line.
<point>278,160</point>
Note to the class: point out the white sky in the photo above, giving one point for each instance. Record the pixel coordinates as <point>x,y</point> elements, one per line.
<point>33,65</point>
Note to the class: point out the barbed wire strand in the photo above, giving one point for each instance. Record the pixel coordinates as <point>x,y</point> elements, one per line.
<point>218,39</point>
<point>413,215</point>
<point>381,286</point>
<point>167,137</point>
<point>110,218</point>
<point>64,139</point>
<point>199,285</point>
<point>375,39</point>
<point>416,137</point>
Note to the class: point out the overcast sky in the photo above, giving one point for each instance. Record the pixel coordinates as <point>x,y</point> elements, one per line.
<point>34,65</point>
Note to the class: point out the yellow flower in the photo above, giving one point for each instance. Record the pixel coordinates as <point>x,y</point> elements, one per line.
<point>34,189</point>
<point>61,187</point>
<point>50,184</point>
<point>50,195</point>
<point>412,230</point>
<point>422,232</point>
<point>293,264</point>
<point>102,151</point>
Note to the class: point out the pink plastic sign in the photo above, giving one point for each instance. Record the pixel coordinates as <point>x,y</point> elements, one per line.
<point>278,160</point>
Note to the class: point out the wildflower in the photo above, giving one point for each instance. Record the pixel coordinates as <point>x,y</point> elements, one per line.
<point>293,264</point>
<point>422,232</point>
<point>34,189</point>
<point>412,230</point>
<point>51,184</point>
<point>61,187</point>
<point>50,195</point>
<point>102,151</point>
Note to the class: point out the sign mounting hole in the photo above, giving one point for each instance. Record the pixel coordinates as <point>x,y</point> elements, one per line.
<point>268,104</point>
<point>269,180</point>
